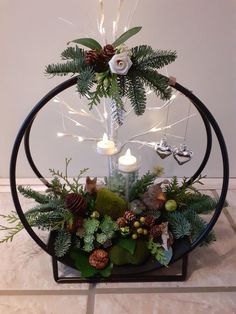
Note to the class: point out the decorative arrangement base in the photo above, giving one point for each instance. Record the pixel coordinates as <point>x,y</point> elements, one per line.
<point>149,272</point>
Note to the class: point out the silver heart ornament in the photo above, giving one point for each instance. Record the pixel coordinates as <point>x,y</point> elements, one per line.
<point>182,154</point>
<point>163,149</point>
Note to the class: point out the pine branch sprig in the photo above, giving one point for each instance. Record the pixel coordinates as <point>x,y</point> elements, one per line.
<point>62,69</point>
<point>73,53</point>
<point>155,81</point>
<point>27,192</point>
<point>62,243</point>
<point>141,185</point>
<point>85,81</point>
<point>136,93</point>
<point>144,56</point>
<point>179,225</point>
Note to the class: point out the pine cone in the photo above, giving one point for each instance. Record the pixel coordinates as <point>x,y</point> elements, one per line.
<point>129,216</point>
<point>156,231</point>
<point>99,259</point>
<point>121,222</point>
<point>76,203</point>
<point>90,56</point>
<point>108,52</point>
<point>150,221</point>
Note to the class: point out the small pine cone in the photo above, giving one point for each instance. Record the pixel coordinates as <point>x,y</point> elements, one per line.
<point>150,221</point>
<point>76,203</point>
<point>99,259</point>
<point>129,216</point>
<point>121,222</point>
<point>90,56</point>
<point>108,52</point>
<point>156,231</point>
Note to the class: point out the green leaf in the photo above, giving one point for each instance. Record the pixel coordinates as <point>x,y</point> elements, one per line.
<point>87,42</point>
<point>128,244</point>
<point>106,272</point>
<point>82,263</point>
<point>125,36</point>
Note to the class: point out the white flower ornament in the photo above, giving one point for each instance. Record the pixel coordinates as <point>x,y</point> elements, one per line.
<point>120,63</point>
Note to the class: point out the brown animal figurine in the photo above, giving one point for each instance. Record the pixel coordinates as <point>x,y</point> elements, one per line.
<point>91,185</point>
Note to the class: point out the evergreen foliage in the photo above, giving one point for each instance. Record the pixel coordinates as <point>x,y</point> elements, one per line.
<point>27,192</point>
<point>136,93</point>
<point>144,56</point>
<point>14,228</point>
<point>184,192</point>
<point>85,81</point>
<point>143,73</point>
<point>141,185</point>
<point>179,225</point>
<point>62,243</point>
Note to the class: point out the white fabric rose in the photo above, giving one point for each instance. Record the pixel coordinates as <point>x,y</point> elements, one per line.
<point>120,63</point>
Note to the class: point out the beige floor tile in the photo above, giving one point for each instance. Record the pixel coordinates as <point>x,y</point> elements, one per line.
<point>43,304</point>
<point>172,303</point>
<point>231,197</point>
<point>24,265</point>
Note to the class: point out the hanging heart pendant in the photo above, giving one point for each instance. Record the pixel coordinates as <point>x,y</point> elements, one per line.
<point>182,154</point>
<point>163,149</point>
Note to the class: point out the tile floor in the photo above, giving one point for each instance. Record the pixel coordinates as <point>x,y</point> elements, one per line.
<point>27,286</point>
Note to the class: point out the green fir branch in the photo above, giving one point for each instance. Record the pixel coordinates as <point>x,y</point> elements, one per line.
<point>179,224</point>
<point>136,93</point>
<point>198,225</point>
<point>141,185</point>
<point>85,81</point>
<point>62,243</point>
<point>73,53</point>
<point>155,81</point>
<point>144,56</point>
<point>62,69</point>
<point>27,192</point>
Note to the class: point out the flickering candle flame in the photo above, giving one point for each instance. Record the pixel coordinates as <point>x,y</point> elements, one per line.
<point>128,162</point>
<point>106,146</point>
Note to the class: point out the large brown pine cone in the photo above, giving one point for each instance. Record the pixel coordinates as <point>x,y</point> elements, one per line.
<point>108,52</point>
<point>99,259</point>
<point>76,203</point>
<point>90,56</point>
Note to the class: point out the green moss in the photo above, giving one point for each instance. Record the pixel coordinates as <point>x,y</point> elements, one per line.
<point>108,203</point>
<point>120,256</point>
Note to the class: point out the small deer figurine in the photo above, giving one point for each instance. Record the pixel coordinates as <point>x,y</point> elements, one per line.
<point>91,185</point>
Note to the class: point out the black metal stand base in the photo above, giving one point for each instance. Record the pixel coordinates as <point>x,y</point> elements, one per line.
<point>150,276</point>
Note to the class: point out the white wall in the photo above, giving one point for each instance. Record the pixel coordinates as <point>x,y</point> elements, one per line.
<point>33,33</point>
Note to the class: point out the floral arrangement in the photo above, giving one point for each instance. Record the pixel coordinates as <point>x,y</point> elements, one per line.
<point>116,71</point>
<point>114,224</point>
<point>98,228</point>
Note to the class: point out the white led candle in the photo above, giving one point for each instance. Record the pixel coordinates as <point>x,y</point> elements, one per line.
<point>128,162</point>
<point>106,146</point>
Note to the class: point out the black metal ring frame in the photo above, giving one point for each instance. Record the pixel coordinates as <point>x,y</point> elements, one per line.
<point>208,121</point>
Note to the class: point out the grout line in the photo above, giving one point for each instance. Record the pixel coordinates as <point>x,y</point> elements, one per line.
<point>91,298</point>
<point>93,291</point>
<point>43,292</point>
<point>165,290</point>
